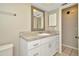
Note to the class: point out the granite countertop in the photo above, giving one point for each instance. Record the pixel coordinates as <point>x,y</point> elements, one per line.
<point>31,36</point>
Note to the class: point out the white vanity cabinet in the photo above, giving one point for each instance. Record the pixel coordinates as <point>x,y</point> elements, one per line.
<point>50,45</point>
<point>41,47</point>
<point>54,45</point>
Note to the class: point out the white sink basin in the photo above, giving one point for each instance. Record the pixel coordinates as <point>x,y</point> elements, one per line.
<point>43,34</point>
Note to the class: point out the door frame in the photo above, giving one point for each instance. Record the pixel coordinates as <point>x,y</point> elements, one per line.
<point>60,24</point>
<point>78,30</point>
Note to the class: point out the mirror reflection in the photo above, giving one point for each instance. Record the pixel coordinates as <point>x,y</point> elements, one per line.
<point>37,19</point>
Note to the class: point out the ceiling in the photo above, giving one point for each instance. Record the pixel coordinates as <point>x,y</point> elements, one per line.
<point>47,6</point>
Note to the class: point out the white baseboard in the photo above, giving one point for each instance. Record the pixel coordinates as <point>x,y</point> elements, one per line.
<point>70,46</point>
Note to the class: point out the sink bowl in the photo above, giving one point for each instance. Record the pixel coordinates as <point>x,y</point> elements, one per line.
<point>43,34</point>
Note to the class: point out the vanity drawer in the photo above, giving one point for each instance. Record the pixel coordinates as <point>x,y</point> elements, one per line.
<point>48,39</point>
<point>33,44</point>
<point>45,40</point>
<point>34,52</point>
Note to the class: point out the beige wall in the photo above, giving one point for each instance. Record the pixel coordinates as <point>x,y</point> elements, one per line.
<point>10,26</point>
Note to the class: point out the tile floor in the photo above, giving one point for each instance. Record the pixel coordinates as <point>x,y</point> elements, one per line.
<point>68,52</point>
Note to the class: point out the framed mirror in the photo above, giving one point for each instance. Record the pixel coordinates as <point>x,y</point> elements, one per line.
<point>38,19</point>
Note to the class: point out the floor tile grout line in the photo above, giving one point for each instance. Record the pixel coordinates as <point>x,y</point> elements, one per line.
<point>69,54</point>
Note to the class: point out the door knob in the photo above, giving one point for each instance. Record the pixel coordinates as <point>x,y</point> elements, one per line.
<point>76,37</point>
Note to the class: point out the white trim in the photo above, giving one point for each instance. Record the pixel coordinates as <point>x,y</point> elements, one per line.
<point>70,46</point>
<point>6,46</point>
<point>68,5</point>
<point>60,32</point>
<point>78,30</point>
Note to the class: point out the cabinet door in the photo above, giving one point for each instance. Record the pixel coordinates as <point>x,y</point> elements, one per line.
<point>53,45</point>
<point>44,50</point>
<point>49,48</point>
<point>57,42</point>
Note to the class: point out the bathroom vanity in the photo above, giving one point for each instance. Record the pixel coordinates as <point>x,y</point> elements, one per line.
<point>39,42</point>
<point>35,44</point>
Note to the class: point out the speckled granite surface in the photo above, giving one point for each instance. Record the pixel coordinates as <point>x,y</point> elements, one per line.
<point>30,36</point>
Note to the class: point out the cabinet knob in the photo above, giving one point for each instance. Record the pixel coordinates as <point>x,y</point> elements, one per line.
<point>76,37</point>
<point>36,54</point>
<point>36,44</point>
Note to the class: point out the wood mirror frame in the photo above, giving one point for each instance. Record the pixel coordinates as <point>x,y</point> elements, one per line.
<point>32,20</point>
